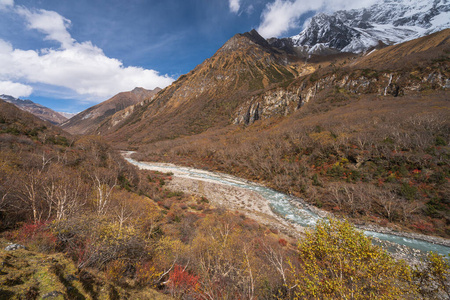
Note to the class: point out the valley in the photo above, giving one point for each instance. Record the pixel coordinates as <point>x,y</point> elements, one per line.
<point>349,139</point>
<point>309,167</point>
<point>278,210</point>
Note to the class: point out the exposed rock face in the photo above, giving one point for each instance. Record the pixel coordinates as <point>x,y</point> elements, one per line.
<point>14,247</point>
<point>283,102</point>
<point>279,102</point>
<point>365,75</point>
<point>40,111</point>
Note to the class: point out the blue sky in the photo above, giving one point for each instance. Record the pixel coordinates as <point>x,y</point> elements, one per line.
<point>69,55</point>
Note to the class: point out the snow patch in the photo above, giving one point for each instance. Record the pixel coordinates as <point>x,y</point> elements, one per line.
<point>390,22</point>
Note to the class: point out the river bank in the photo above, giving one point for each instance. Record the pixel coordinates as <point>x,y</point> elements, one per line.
<point>238,194</point>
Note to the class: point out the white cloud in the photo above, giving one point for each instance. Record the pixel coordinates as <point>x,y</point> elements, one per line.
<point>50,23</point>
<point>81,67</point>
<point>234,6</point>
<point>4,4</point>
<point>15,89</point>
<point>282,15</point>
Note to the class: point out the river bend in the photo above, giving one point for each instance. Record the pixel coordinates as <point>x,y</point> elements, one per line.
<point>293,210</point>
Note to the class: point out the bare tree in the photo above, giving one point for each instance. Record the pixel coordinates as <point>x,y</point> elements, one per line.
<point>64,193</point>
<point>277,259</point>
<point>30,194</point>
<point>387,201</point>
<point>104,183</point>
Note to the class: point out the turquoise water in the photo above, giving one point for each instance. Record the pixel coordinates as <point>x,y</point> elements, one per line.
<point>281,203</point>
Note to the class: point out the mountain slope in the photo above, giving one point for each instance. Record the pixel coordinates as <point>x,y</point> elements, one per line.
<point>86,121</point>
<point>388,22</point>
<point>16,122</point>
<point>248,79</point>
<point>38,110</point>
<point>205,97</point>
<point>364,136</point>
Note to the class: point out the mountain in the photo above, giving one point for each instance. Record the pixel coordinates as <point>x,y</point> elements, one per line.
<point>363,136</point>
<point>387,22</point>
<point>38,110</point>
<point>357,134</point>
<point>243,67</point>
<point>249,79</point>
<point>86,121</point>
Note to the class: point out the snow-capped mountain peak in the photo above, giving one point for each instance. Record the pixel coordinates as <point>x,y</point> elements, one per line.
<point>389,22</point>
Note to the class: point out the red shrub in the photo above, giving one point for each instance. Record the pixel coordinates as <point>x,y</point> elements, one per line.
<point>282,242</point>
<point>424,226</point>
<point>36,235</point>
<point>182,283</point>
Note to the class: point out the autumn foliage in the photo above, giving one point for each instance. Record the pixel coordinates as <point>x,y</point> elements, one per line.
<point>80,198</point>
<point>339,262</point>
<point>368,158</point>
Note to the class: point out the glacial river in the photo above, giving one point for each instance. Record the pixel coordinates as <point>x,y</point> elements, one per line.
<point>280,203</point>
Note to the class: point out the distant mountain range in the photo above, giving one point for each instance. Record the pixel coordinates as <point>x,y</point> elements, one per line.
<point>385,23</point>
<point>66,114</point>
<point>38,110</point>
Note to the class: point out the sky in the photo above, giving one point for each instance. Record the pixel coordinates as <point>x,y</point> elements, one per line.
<point>70,55</point>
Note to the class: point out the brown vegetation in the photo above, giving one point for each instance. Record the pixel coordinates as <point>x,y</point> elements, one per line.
<point>381,159</point>
<point>126,233</point>
<point>372,158</point>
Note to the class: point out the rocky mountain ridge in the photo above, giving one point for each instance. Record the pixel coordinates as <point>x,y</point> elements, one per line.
<point>249,79</point>
<point>387,22</point>
<point>248,64</point>
<point>208,95</point>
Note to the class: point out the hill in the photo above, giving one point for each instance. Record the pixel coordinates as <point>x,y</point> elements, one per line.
<point>38,110</point>
<point>87,121</point>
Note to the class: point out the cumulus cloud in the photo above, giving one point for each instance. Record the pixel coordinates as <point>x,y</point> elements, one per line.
<point>81,67</point>
<point>280,16</point>
<point>234,6</point>
<point>15,89</point>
